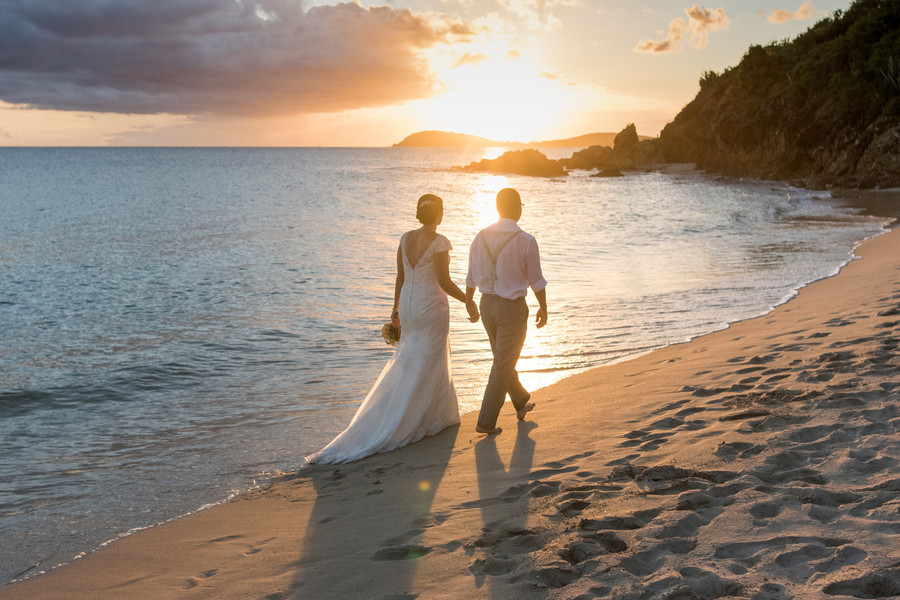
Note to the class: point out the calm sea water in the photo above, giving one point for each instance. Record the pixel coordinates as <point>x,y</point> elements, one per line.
<point>178,324</point>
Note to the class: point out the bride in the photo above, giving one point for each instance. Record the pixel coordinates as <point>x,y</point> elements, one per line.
<point>414,395</point>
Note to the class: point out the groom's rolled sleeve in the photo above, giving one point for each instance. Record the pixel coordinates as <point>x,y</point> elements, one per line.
<point>533,273</point>
<point>470,274</point>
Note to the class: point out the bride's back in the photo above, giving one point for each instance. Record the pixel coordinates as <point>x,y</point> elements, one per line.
<point>417,242</point>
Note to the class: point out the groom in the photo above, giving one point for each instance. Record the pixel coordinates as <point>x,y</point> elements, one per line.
<point>503,263</point>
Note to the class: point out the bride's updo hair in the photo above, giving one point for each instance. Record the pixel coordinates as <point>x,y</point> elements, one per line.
<point>428,208</point>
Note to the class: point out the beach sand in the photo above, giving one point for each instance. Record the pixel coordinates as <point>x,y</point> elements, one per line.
<point>761,461</point>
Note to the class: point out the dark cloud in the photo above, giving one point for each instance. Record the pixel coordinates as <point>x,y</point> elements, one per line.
<point>213,56</point>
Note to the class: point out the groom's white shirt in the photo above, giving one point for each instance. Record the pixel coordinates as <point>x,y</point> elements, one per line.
<point>518,265</point>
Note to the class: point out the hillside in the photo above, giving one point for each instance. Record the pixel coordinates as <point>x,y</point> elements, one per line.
<point>441,139</point>
<point>461,140</point>
<point>822,109</point>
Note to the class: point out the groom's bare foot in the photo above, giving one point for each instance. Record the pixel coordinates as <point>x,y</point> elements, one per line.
<point>487,430</point>
<point>524,411</point>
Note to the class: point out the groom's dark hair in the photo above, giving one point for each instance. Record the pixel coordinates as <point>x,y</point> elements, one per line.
<point>508,202</point>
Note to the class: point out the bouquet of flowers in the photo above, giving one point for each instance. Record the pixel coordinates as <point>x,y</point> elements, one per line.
<point>390,334</point>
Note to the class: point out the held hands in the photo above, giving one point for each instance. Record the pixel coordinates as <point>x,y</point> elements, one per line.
<point>540,318</point>
<point>472,309</point>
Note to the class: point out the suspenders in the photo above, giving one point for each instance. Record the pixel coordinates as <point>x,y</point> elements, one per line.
<point>494,256</point>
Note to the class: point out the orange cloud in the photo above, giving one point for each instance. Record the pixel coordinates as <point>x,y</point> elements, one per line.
<point>210,57</point>
<point>701,22</point>
<point>801,14</point>
<point>672,41</point>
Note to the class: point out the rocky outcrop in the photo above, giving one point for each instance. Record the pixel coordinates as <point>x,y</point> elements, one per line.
<point>595,157</point>
<point>629,152</point>
<point>879,165</point>
<point>625,148</point>
<point>520,162</point>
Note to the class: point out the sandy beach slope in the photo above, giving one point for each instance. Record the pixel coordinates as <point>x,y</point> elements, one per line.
<point>761,461</point>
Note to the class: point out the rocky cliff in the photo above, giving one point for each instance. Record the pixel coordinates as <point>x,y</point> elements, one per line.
<point>822,109</point>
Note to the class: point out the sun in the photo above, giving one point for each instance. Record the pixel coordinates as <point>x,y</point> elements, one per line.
<point>504,98</point>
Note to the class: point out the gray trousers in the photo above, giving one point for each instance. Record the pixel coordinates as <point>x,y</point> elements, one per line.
<point>506,323</point>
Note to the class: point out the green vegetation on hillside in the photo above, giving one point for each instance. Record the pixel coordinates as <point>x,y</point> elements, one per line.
<point>823,108</point>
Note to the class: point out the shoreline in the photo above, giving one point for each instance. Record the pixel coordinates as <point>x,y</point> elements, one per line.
<point>498,514</point>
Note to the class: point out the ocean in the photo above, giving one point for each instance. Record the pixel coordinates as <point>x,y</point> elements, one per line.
<point>179,325</point>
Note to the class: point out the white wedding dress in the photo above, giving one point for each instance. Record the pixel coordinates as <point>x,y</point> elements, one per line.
<point>414,395</point>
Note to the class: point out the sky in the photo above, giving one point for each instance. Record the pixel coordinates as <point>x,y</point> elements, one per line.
<point>305,73</point>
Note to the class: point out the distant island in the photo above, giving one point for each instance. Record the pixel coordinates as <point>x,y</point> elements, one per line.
<point>446,139</point>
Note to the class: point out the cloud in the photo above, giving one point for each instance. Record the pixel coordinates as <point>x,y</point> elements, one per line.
<point>231,57</point>
<point>701,22</point>
<point>5,133</point>
<point>469,59</point>
<point>536,13</point>
<point>704,21</point>
<point>672,41</point>
<point>801,14</point>
<point>557,77</point>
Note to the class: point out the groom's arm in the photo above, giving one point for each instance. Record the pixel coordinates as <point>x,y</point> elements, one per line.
<point>541,317</point>
<point>471,307</point>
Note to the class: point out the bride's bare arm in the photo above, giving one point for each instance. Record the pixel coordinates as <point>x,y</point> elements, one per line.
<point>442,270</point>
<point>395,315</point>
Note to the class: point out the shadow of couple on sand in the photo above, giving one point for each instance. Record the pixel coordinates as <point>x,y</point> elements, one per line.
<point>366,530</point>
<point>504,535</point>
<point>367,525</point>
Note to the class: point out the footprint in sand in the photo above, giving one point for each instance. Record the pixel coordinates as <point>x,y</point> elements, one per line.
<point>687,527</point>
<point>507,540</point>
<point>502,550</point>
<point>573,503</point>
<point>849,555</point>
<point>579,551</point>
<point>884,584</point>
<point>706,584</point>
<point>193,582</point>
<point>772,591</point>
<point>637,520</point>
<point>765,510</point>
<point>752,553</point>
<point>556,574</point>
<point>405,552</point>
<point>785,467</point>
<point>648,562</point>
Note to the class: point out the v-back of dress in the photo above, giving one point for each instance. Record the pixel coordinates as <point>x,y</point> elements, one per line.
<point>414,395</point>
